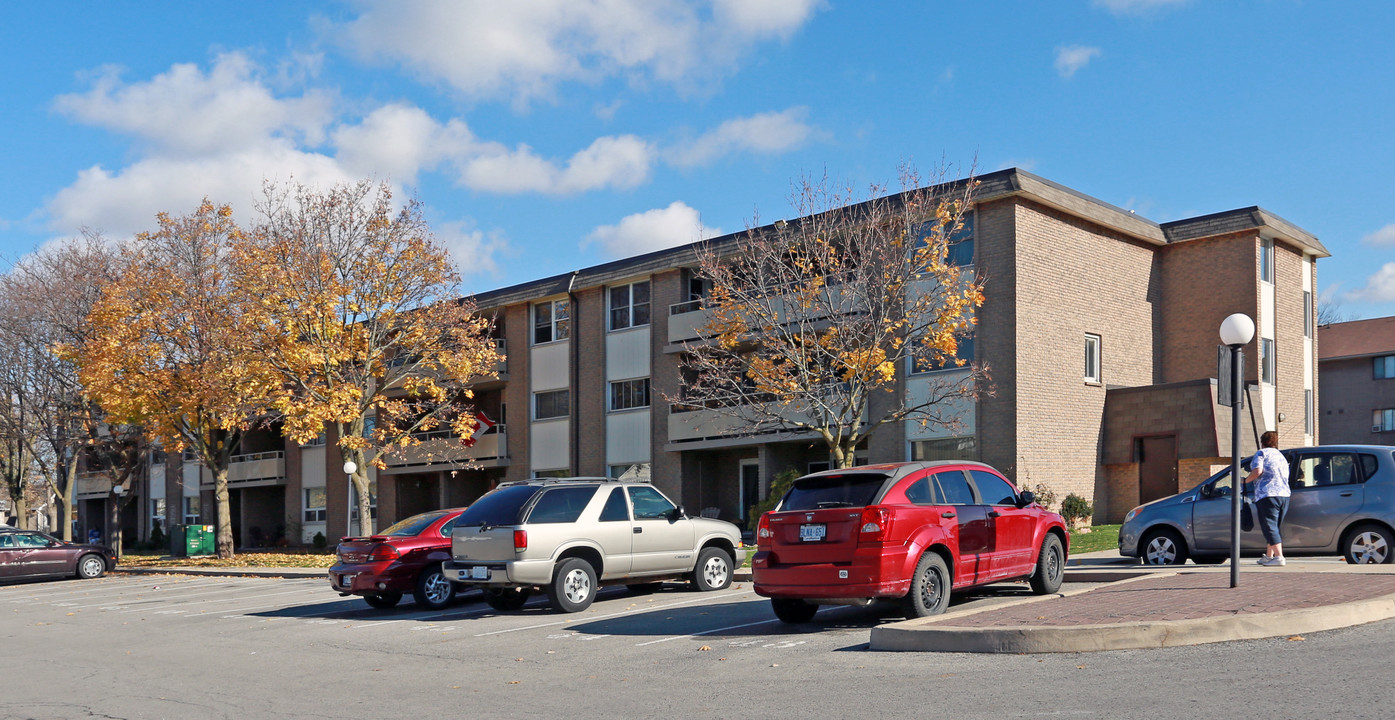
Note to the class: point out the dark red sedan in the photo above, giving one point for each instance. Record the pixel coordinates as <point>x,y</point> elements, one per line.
<point>909,531</point>
<point>404,558</point>
<point>29,553</point>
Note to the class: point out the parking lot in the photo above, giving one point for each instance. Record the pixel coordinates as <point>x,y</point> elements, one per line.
<point>189,646</point>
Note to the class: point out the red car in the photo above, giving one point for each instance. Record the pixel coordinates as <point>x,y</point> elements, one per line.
<point>28,553</point>
<point>912,531</point>
<point>403,558</point>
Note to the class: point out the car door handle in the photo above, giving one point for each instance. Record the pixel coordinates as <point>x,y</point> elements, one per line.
<point>993,513</point>
<point>1347,494</point>
<point>639,530</point>
<point>947,515</point>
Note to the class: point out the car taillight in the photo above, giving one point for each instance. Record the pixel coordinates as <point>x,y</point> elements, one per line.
<point>384,551</point>
<point>763,532</point>
<point>876,524</point>
<point>520,540</point>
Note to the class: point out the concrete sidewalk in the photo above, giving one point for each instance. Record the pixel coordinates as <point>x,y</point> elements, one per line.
<point>1143,607</point>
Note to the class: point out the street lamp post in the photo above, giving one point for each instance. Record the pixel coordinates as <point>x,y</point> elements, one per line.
<point>1236,332</point>
<point>349,468</point>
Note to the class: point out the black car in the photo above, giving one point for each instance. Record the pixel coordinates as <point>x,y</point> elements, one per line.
<point>30,553</point>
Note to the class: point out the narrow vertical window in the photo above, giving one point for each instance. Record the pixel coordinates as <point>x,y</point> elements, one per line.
<point>1092,358</point>
<point>1308,412</point>
<point>1307,313</point>
<point>1266,360</point>
<point>1266,260</point>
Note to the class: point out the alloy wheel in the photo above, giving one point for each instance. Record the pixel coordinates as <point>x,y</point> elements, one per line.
<point>577,586</point>
<point>1369,548</point>
<point>1161,551</point>
<point>438,588</point>
<point>715,572</point>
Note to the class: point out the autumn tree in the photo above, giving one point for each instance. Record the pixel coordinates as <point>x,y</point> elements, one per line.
<point>357,311</point>
<point>167,350</point>
<point>814,322</point>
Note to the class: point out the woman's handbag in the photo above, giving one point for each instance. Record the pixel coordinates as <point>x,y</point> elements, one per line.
<point>1247,513</point>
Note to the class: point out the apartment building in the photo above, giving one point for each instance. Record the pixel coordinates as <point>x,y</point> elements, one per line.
<point>1357,384</point>
<point>1100,330</point>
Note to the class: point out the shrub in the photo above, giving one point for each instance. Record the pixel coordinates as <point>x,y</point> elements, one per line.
<point>320,541</point>
<point>778,488</point>
<point>1076,510</point>
<point>1046,497</point>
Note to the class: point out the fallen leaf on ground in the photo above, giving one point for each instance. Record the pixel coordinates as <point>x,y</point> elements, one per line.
<point>704,648</point>
<point>1296,638</point>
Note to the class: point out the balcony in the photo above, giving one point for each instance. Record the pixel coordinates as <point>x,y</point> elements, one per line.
<point>685,319</point>
<point>92,485</point>
<point>256,469</point>
<point>442,448</point>
<point>688,426</point>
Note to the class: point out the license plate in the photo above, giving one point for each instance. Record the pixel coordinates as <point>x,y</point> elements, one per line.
<point>346,580</point>
<point>813,532</point>
<point>479,572</point>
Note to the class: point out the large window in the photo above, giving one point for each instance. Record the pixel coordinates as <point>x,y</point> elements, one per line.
<point>1266,260</point>
<point>1383,421</point>
<point>960,448</point>
<point>192,508</point>
<point>551,404</point>
<point>1092,358</point>
<point>1266,360</point>
<point>314,505</point>
<point>964,352</point>
<point>551,321</point>
<point>1384,367</point>
<point>157,513</point>
<point>629,394</point>
<point>960,252</point>
<point>629,305</point>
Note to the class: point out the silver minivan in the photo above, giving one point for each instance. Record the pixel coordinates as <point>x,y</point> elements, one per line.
<point>1343,503</point>
<point>569,536</point>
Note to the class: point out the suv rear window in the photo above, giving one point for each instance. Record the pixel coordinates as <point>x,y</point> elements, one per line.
<point>561,505</point>
<point>504,506</point>
<point>825,491</point>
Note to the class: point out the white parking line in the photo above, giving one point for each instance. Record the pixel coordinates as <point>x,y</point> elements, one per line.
<point>166,595</point>
<point>229,599</point>
<point>704,597</point>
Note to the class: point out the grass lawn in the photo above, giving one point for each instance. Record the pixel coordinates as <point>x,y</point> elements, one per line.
<point>247,559</point>
<point>1100,537</point>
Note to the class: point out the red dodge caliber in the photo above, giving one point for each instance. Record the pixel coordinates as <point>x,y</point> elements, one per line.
<point>403,558</point>
<point>913,531</point>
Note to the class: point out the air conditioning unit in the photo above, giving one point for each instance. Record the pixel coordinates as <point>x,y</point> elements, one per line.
<point>1375,428</point>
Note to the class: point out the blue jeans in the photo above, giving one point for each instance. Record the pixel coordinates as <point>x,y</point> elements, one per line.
<point>1271,512</point>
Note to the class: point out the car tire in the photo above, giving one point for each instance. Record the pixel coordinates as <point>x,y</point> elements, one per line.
<point>1162,547</point>
<point>507,599</point>
<point>434,591</point>
<point>1051,566</point>
<point>713,570</point>
<point>573,586</point>
<point>1369,544</point>
<point>383,600</point>
<point>930,587</point>
<point>91,566</point>
<point>793,610</point>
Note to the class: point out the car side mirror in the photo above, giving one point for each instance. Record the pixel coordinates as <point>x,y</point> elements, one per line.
<point>677,514</point>
<point>1025,498</point>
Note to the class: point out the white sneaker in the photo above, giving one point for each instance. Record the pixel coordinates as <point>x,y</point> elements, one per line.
<point>1277,561</point>
<point>1263,560</point>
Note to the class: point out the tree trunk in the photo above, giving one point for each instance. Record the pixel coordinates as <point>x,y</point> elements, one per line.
<point>69,494</point>
<point>21,513</point>
<point>223,512</point>
<point>365,502</point>
<point>114,523</point>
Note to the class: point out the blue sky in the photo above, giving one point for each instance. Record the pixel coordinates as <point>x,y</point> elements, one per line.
<point>550,135</point>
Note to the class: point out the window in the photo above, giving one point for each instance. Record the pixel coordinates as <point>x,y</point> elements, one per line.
<point>192,507</point>
<point>819,466</point>
<point>551,404</point>
<point>157,457</point>
<point>1307,313</point>
<point>1384,367</point>
<point>649,504</point>
<point>993,489</point>
<point>157,513</point>
<point>1266,360</point>
<point>317,441</point>
<point>1383,420</point>
<point>1266,260</point>
<point>616,509</point>
<point>953,488</point>
<point>636,472</point>
<point>551,321</point>
<point>1308,412</point>
<point>629,394</point>
<point>960,250</point>
<point>960,448</point>
<point>561,505</point>
<point>629,305</point>
<point>558,473</point>
<point>314,505</point>
<point>849,489</point>
<point>919,492</point>
<point>1092,358</point>
<point>1313,471</point>
<point>964,352</point>
<point>189,455</point>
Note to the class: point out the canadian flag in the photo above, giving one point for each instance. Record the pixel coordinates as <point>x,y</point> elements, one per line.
<point>482,426</point>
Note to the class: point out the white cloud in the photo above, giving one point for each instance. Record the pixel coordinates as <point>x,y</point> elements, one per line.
<point>618,162</point>
<point>474,251</point>
<point>1136,7</point>
<point>652,230</point>
<point>186,112</point>
<point>399,141</point>
<point>524,49</point>
<point>1380,287</point>
<point>1070,58</point>
<point>765,133</point>
<point>1384,237</point>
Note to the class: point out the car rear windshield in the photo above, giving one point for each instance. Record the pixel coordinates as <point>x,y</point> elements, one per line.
<point>827,491</point>
<point>503,506</point>
<point>412,526</point>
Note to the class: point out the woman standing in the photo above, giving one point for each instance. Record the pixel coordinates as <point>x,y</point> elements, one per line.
<point>1271,495</point>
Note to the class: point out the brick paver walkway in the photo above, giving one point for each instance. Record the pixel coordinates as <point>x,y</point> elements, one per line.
<point>1188,596</point>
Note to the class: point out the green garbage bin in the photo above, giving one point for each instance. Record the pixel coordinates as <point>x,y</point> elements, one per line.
<point>199,540</point>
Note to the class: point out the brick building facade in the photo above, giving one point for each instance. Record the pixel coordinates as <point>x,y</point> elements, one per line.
<point>1357,381</point>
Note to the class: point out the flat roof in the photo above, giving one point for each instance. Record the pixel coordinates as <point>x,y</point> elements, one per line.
<point>1357,338</point>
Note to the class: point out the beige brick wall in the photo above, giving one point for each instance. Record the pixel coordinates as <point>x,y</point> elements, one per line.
<point>995,242</point>
<point>1288,344</point>
<point>1203,281</point>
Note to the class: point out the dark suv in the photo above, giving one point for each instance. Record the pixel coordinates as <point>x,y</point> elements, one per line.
<point>909,531</point>
<point>568,536</point>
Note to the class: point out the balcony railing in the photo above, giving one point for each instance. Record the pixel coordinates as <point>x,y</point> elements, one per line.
<point>266,468</point>
<point>441,447</point>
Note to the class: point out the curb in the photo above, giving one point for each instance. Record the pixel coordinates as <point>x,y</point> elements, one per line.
<point>290,573</point>
<point>938,635</point>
